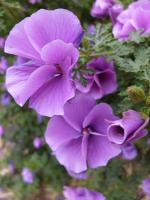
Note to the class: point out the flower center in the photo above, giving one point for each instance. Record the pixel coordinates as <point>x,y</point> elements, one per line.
<point>59,70</point>
<point>86,131</point>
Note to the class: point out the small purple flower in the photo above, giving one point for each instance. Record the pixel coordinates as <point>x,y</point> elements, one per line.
<point>91,30</point>
<point>11,167</point>
<point>27,175</point>
<point>135,17</point>
<point>146,186</point>
<point>101,8</point>
<point>2,42</point>
<point>129,128</point>
<point>1,130</point>
<point>5,99</point>
<point>34,1</point>
<point>38,142</point>
<point>81,193</point>
<point>48,39</point>
<point>129,151</point>
<point>3,64</point>
<point>79,137</point>
<point>102,81</point>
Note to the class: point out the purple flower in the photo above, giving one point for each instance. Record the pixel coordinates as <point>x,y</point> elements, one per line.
<point>102,81</point>
<point>3,64</point>
<point>146,186</point>
<point>38,142</point>
<point>34,1</point>
<point>101,8</point>
<point>5,99</point>
<point>81,193</point>
<point>91,30</point>
<point>129,128</point>
<point>134,18</point>
<point>48,39</point>
<point>2,42</point>
<point>129,152</point>
<point>78,138</point>
<point>27,175</point>
<point>1,130</point>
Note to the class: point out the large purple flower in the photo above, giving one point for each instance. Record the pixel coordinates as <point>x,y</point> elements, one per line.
<point>78,139</point>
<point>81,193</point>
<point>131,127</point>
<point>102,81</point>
<point>135,17</point>
<point>48,39</point>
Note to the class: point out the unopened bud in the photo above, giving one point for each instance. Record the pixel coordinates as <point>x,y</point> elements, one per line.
<point>136,94</point>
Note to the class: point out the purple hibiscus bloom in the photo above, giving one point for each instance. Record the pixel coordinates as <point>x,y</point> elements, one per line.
<point>79,137</point>
<point>146,186</point>
<point>38,142</point>
<point>101,8</point>
<point>129,151</point>
<point>129,128</point>
<point>135,17</point>
<point>3,64</point>
<point>48,39</point>
<point>27,175</point>
<point>81,193</point>
<point>102,81</point>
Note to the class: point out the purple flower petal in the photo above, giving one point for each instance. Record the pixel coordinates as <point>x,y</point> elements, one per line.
<point>18,43</point>
<point>76,110</point>
<point>100,151</point>
<point>80,193</point>
<point>72,157</point>
<point>50,25</point>
<point>97,118</point>
<point>129,152</point>
<point>20,79</point>
<point>54,137</point>
<point>48,100</point>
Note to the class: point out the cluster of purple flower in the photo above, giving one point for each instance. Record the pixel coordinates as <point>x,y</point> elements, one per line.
<point>81,133</point>
<point>134,18</point>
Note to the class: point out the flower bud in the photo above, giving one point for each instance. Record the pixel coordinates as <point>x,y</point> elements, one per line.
<point>136,94</point>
